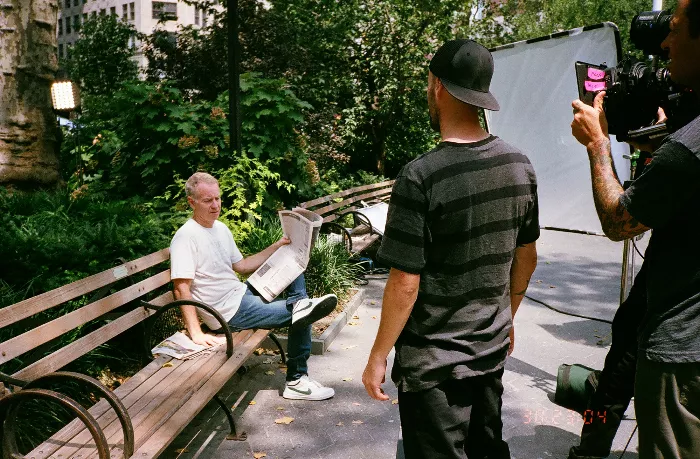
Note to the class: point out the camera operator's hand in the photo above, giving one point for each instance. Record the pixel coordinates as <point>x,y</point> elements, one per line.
<point>590,125</point>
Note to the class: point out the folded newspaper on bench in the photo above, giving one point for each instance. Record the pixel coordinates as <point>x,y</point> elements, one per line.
<point>301,226</point>
<point>180,346</point>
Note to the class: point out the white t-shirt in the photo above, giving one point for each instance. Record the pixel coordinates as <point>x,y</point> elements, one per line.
<point>206,256</point>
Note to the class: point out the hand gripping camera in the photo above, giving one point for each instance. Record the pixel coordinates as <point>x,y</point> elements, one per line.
<point>636,89</point>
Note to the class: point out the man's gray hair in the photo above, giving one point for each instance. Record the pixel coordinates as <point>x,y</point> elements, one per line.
<point>194,181</point>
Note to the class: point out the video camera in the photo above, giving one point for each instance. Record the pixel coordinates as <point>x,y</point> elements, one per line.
<point>635,89</point>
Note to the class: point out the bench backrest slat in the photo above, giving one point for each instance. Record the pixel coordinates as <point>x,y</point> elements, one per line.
<point>34,305</point>
<point>348,192</point>
<point>46,332</point>
<point>82,346</point>
<point>323,210</point>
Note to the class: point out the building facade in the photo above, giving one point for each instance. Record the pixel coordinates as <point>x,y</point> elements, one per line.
<point>144,15</point>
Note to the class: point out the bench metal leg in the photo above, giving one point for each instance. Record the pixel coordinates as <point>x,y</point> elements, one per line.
<point>227,411</point>
<point>279,346</point>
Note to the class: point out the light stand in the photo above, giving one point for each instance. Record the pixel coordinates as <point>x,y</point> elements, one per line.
<point>65,98</point>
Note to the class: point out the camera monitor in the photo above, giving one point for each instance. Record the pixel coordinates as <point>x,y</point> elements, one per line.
<point>534,83</point>
<point>591,80</point>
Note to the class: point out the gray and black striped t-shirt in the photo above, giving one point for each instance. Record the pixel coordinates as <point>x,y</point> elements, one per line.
<point>455,217</point>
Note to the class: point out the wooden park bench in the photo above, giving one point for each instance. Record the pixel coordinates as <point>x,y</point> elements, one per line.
<point>143,415</point>
<point>366,204</point>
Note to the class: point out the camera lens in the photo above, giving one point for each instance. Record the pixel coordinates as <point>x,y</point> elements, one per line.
<point>649,29</point>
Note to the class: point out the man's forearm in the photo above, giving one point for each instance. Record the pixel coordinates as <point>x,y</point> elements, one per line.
<point>189,313</point>
<point>253,262</point>
<point>399,297</point>
<point>524,264</point>
<point>617,224</point>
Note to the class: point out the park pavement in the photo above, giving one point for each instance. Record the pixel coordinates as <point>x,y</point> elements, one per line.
<point>576,273</point>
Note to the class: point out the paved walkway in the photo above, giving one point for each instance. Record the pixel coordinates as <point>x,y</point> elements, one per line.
<point>576,273</point>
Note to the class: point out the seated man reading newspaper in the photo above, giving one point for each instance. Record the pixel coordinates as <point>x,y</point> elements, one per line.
<point>204,262</point>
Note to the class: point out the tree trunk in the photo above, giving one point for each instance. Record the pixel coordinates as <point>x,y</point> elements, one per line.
<point>28,63</point>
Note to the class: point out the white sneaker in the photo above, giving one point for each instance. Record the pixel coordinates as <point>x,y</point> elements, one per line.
<point>309,310</point>
<point>306,388</point>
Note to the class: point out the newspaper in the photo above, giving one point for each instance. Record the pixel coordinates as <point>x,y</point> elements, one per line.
<point>301,226</point>
<point>180,346</point>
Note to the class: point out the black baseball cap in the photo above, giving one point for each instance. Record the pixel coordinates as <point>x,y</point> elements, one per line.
<point>465,68</point>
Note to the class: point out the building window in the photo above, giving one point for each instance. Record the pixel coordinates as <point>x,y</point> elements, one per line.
<point>60,50</point>
<point>125,12</point>
<point>76,2</point>
<point>68,25</point>
<point>113,10</point>
<point>196,15</point>
<point>66,4</point>
<point>84,17</point>
<point>60,26</point>
<point>132,11</point>
<point>76,22</point>
<point>93,14</point>
<point>166,11</point>
<point>103,12</point>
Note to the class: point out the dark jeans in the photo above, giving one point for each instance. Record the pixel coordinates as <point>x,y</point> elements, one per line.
<point>616,381</point>
<point>459,418</point>
<point>255,312</point>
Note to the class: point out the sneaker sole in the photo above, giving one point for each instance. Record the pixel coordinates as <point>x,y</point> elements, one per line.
<point>322,309</point>
<point>295,396</point>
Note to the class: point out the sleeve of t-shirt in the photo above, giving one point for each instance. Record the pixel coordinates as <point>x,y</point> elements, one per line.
<point>403,243</point>
<point>236,254</point>
<point>665,186</point>
<point>183,257</point>
<point>530,229</point>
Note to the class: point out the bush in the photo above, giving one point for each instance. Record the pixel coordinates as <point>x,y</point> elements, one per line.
<point>53,239</point>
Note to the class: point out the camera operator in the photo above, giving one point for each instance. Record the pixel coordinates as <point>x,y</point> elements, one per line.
<point>664,198</point>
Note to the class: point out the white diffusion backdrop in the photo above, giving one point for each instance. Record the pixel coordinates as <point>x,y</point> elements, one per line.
<point>535,83</point>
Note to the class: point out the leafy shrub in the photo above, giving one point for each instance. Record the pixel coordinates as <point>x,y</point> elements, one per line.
<point>52,240</point>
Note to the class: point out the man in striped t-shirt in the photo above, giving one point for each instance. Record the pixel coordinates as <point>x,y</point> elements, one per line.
<point>460,241</point>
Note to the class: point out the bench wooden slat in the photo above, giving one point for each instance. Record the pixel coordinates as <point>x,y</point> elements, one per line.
<point>34,305</point>
<point>345,202</point>
<point>174,425</point>
<point>82,346</point>
<point>340,194</point>
<point>46,332</point>
<point>149,381</point>
<point>153,407</point>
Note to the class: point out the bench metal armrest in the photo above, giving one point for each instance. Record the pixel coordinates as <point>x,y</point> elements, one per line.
<point>8,413</point>
<point>109,396</point>
<point>343,231</point>
<point>363,219</point>
<point>160,310</point>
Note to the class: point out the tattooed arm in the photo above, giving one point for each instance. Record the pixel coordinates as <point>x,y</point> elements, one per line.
<point>591,129</point>
<point>617,223</point>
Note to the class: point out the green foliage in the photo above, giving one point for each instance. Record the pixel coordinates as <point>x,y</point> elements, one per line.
<point>101,58</point>
<point>146,134</point>
<point>57,240</point>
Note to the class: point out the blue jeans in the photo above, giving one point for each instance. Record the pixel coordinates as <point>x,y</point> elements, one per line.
<point>255,312</point>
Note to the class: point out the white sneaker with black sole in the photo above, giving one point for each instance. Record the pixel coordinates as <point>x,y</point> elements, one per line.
<point>306,388</point>
<point>309,310</point>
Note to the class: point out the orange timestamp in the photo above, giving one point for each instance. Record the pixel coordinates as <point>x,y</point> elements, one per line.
<point>558,416</point>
